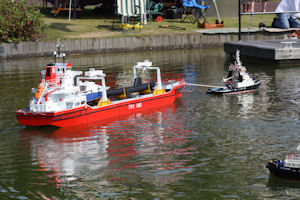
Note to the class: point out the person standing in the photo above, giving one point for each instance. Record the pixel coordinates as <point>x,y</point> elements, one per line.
<point>263,5</point>
<point>246,6</point>
<point>252,6</point>
<point>287,20</point>
<point>249,5</point>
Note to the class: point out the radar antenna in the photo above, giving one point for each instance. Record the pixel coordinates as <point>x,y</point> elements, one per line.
<point>59,53</point>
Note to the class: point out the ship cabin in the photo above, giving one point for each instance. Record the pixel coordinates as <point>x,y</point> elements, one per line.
<point>59,75</point>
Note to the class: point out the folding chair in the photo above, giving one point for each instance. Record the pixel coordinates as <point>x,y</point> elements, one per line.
<point>191,6</point>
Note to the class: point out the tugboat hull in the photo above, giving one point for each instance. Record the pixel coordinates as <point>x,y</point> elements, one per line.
<point>225,90</point>
<point>277,169</point>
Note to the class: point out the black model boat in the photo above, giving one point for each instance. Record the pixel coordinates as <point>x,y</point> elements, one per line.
<point>288,168</point>
<point>237,81</point>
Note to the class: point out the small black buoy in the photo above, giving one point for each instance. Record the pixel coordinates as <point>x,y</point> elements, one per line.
<point>261,25</point>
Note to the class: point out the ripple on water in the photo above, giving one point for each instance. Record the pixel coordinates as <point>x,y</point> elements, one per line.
<point>204,146</point>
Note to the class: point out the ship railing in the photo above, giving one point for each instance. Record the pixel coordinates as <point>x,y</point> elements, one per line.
<point>145,66</point>
<point>79,79</point>
<point>294,157</point>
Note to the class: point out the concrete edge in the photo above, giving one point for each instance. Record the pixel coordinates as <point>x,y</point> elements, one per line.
<point>129,43</point>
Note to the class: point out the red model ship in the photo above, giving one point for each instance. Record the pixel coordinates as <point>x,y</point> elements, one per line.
<point>67,105</point>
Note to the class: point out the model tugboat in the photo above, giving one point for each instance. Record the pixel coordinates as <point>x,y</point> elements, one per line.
<point>59,102</point>
<point>288,168</point>
<point>237,81</point>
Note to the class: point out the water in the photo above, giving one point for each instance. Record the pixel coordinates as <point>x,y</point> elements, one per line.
<point>202,147</point>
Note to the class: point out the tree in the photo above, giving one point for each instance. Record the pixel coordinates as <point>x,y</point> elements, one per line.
<point>20,21</point>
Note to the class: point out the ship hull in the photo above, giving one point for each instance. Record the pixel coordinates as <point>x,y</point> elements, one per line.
<point>278,170</point>
<point>87,114</point>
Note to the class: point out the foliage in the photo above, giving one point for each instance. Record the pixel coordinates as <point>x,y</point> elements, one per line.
<point>20,21</point>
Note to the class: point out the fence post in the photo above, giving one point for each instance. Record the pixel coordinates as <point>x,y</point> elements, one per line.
<point>240,37</point>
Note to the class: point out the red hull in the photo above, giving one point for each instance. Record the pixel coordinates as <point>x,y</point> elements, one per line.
<point>87,114</point>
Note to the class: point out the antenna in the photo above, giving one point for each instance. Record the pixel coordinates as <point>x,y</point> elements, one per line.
<point>237,58</point>
<point>59,53</point>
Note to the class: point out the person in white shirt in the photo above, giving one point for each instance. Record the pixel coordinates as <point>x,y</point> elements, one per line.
<point>287,20</point>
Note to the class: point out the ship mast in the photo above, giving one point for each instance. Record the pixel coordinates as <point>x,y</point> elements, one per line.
<point>237,58</point>
<point>59,53</point>
<point>148,65</point>
<point>104,100</point>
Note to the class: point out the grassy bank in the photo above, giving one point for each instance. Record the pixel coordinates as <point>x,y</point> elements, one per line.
<point>96,25</point>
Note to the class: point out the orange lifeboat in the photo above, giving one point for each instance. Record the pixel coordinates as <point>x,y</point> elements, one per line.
<point>39,92</point>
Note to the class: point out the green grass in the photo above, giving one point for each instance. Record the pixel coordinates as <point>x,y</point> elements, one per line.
<point>95,25</point>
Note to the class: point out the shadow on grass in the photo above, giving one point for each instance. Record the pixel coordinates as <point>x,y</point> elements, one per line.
<point>109,27</point>
<point>60,26</point>
<point>83,14</point>
<point>116,28</point>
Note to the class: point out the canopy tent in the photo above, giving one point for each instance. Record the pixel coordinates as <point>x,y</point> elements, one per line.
<point>126,8</point>
<point>132,8</point>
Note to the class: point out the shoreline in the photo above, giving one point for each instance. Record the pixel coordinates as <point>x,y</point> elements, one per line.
<point>130,43</point>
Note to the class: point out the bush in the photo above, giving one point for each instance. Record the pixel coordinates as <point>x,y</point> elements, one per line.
<point>20,21</point>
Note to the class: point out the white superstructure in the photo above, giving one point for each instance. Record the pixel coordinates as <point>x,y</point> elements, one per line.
<point>238,78</point>
<point>58,91</point>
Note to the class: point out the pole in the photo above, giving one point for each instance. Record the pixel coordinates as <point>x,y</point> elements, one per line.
<point>104,94</point>
<point>266,13</point>
<point>217,10</point>
<point>239,13</point>
<point>134,74</point>
<point>74,11</point>
<point>70,8</point>
<point>159,86</point>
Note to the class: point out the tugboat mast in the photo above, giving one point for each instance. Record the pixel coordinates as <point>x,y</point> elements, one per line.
<point>237,58</point>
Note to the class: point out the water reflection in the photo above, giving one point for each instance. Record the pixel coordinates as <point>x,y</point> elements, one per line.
<point>205,146</point>
<point>146,147</point>
<point>290,188</point>
<point>288,89</point>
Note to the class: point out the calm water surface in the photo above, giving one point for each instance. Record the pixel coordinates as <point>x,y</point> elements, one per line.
<point>202,147</point>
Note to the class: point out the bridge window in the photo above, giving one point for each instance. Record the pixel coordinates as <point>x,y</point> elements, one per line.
<point>48,71</point>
